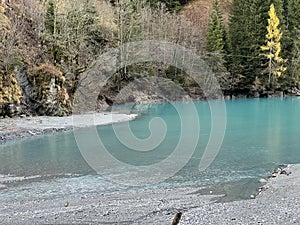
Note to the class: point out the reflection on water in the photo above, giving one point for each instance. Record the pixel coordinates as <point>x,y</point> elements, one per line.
<point>54,154</point>
<point>260,134</point>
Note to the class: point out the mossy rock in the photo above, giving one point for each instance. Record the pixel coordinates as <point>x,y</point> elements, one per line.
<point>10,91</point>
<point>49,85</point>
<point>44,73</point>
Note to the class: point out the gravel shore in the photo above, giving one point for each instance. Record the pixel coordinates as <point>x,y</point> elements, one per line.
<point>17,128</point>
<point>279,203</point>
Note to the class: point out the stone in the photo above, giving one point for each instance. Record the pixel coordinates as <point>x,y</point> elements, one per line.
<point>22,116</point>
<point>66,204</point>
<point>263,181</point>
<point>277,170</point>
<point>9,110</point>
<point>256,94</point>
<point>285,172</point>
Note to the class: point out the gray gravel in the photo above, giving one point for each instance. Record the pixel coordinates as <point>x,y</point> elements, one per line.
<point>16,128</point>
<point>278,204</point>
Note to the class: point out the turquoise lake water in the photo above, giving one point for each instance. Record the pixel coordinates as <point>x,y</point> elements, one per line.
<point>260,135</point>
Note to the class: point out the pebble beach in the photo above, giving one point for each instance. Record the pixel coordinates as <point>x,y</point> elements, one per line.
<point>278,203</point>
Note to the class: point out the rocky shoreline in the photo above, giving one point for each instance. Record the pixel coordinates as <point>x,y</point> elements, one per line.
<point>278,204</point>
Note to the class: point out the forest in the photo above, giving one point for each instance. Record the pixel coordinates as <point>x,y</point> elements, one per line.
<point>252,46</point>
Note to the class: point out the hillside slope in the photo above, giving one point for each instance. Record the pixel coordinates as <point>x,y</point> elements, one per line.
<point>37,60</point>
<point>198,12</point>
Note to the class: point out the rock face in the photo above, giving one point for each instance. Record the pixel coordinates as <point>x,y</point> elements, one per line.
<point>25,85</point>
<point>145,90</point>
<point>43,91</point>
<point>295,91</point>
<point>10,95</point>
<point>11,110</point>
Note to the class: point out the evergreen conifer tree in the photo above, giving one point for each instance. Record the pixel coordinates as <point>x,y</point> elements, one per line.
<point>248,21</point>
<point>172,5</point>
<point>291,42</point>
<point>50,17</point>
<point>278,5</point>
<point>215,34</point>
<point>52,32</point>
<point>216,46</point>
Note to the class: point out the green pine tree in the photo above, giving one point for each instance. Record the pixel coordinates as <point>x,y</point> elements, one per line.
<point>215,40</point>
<point>293,73</point>
<point>291,43</point>
<point>279,8</point>
<point>50,17</point>
<point>52,32</point>
<point>216,46</point>
<point>291,77</point>
<point>172,5</point>
<point>248,19</point>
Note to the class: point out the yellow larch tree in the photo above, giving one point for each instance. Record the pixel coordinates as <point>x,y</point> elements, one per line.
<point>275,66</point>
